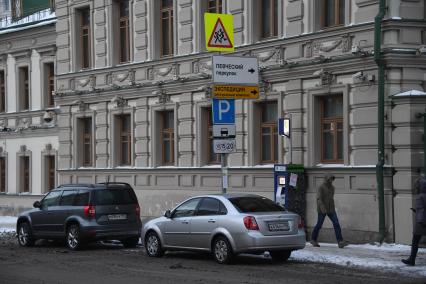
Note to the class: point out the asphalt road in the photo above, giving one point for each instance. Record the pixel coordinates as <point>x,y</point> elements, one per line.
<point>49,262</point>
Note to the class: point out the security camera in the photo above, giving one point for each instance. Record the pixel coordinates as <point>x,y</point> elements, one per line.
<point>355,49</point>
<point>358,75</point>
<point>421,50</point>
<point>318,72</point>
<point>48,116</point>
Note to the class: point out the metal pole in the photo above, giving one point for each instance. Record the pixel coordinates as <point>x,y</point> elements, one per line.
<point>224,170</point>
<point>381,114</point>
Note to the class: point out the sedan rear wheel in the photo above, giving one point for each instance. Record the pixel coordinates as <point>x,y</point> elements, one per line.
<point>222,250</point>
<point>25,237</point>
<point>280,255</point>
<point>153,245</point>
<point>73,238</point>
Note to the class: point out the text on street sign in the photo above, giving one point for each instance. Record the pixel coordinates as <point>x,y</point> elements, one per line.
<point>235,92</point>
<point>223,146</point>
<point>235,70</point>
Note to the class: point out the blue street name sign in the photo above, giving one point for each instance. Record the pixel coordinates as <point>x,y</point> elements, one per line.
<point>223,111</point>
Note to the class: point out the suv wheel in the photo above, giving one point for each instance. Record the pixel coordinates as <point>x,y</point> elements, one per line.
<point>73,238</point>
<point>153,245</point>
<point>130,242</point>
<point>222,250</point>
<point>280,255</point>
<point>25,237</point>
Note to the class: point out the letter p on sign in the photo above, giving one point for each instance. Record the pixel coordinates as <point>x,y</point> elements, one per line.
<point>223,111</point>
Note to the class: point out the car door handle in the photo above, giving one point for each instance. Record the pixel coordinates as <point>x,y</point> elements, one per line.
<point>185,222</point>
<point>212,221</point>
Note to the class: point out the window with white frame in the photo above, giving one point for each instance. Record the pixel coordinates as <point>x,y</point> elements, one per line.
<point>122,44</point>
<point>167,137</point>
<point>124,139</point>
<point>333,13</point>
<point>166,14</point>
<point>49,69</point>
<point>83,38</point>
<point>268,132</point>
<point>24,88</point>
<point>84,150</point>
<point>214,6</point>
<point>50,171</point>
<point>331,120</point>
<point>24,164</point>
<point>269,18</point>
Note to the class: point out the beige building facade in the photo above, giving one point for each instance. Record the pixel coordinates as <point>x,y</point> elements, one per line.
<point>134,91</point>
<point>28,131</point>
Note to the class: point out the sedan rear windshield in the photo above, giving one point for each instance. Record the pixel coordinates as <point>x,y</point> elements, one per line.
<point>255,204</point>
<point>116,196</point>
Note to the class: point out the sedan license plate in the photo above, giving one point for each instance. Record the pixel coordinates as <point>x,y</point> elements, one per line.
<point>114,217</point>
<point>278,226</point>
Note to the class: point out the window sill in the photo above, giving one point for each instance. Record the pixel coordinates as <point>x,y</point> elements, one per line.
<point>331,28</point>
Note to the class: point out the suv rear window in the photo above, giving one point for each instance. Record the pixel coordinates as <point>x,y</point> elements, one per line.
<point>115,196</point>
<point>255,204</point>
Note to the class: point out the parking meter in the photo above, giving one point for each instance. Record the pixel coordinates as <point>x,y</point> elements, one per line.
<point>290,187</point>
<point>280,181</point>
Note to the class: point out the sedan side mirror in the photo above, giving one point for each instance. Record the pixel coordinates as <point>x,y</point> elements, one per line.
<point>37,204</point>
<point>168,214</point>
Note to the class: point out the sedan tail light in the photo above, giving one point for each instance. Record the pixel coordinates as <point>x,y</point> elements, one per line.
<point>90,211</point>
<point>301,224</point>
<point>250,223</point>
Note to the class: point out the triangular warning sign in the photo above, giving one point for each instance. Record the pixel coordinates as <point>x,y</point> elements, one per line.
<point>219,36</point>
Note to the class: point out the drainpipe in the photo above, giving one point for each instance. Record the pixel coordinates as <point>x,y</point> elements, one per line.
<point>378,57</point>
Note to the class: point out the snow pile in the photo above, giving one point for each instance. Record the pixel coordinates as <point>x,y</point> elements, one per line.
<point>7,224</point>
<point>385,257</point>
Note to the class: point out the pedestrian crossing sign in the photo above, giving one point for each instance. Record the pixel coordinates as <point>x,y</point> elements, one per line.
<point>219,31</point>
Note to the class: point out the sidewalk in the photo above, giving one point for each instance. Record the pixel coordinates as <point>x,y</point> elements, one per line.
<point>386,257</point>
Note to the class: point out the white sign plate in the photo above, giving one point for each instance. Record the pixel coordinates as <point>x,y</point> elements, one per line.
<point>224,130</point>
<point>235,70</point>
<point>223,146</point>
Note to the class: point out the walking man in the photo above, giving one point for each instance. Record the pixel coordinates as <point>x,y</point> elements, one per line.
<point>325,207</point>
<point>420,225</point>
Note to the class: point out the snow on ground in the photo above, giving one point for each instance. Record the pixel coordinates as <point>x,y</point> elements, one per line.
<point>7,224</point>
<point>386,257</point>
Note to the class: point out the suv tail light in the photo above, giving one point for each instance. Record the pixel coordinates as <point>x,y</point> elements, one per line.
<point>90,211</point>
<point>301,224</point>
<point>250,223</point>
<point>138,210</point>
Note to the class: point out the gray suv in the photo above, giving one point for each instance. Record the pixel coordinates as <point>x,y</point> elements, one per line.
<point>80,213</point>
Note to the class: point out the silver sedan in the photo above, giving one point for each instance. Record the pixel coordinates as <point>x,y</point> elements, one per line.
<point>226,225</point>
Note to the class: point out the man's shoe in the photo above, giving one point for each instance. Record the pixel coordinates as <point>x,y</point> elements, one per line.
<point>408,261</point>
<point>342,244</point>
<point>315,244</point>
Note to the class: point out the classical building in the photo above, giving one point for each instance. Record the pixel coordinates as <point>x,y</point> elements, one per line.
<point>134,91</point>
<point>28,131</point>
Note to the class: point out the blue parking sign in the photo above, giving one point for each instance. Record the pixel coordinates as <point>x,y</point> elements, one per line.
<point>223,111</point>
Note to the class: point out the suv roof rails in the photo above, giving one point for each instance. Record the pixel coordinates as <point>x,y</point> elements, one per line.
<point>114,182</point>
<point>76,185</point>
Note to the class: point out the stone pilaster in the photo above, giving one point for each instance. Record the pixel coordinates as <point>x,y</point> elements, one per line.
<point>101,136</point>
<point>142,135</point>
